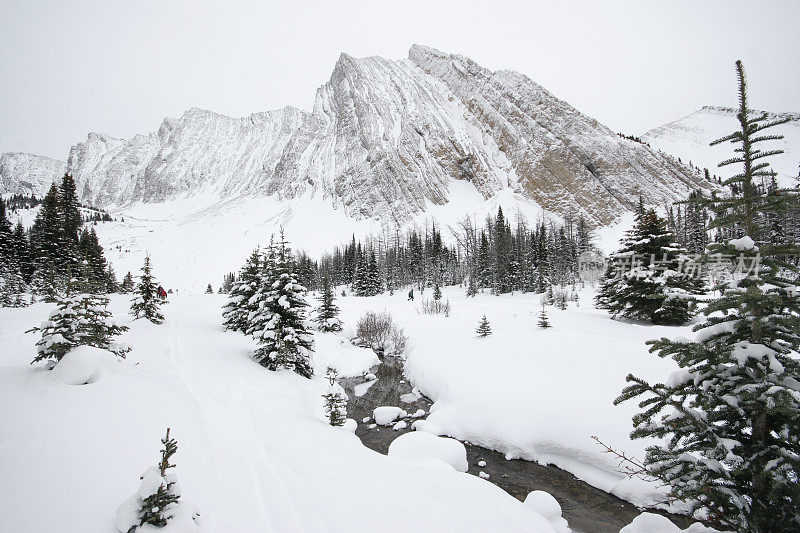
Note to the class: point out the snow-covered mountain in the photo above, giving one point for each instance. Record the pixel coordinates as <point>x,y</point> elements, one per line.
<point>688,138</point>
<point>385,140</point>
<point>22,173</point>
<point>387,144</point>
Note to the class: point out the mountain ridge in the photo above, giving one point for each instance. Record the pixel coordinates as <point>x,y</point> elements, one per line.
<point>385,140</point>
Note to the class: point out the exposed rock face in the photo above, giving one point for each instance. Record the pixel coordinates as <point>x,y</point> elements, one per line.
<point>29,174</point>
<point>385,140</point>
<point>688,138</point>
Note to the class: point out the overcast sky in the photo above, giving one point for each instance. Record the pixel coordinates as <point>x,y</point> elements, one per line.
<point>71,67</point>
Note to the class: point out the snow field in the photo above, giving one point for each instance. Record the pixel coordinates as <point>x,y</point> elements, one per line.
<point>529,393</point>
<point>254,450</point>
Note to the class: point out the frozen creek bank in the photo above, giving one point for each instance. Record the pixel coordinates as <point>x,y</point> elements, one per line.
<point>586,508</point>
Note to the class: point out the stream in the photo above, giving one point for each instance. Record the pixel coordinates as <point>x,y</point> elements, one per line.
<point>586,508</point>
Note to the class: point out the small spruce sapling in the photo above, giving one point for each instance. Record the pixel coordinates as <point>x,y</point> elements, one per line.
<point>543,322</point>
<point>484,328</point>
<point>158,499</point>
<point>335,401</point>
<point>437,292</point>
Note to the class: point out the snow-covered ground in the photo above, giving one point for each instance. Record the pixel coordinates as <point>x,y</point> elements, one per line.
<point>530,393</point>
<point>254,452</point>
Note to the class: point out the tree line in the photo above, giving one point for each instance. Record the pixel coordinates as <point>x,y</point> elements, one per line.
<point>57,252</point>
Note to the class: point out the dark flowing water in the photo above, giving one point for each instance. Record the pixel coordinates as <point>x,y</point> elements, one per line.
<point>586,508</point>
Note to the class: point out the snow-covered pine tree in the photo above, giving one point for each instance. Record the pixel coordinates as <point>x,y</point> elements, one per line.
<point>145,302</point>
<point>484,328</point>
<point>127,283</point>
<point>730,418</point>
<point>335,401</point>
<point>209,289</point>
<point>327,318</point>
<point>12,283</point>
<point>644,279</point>
<point>373,284</point>
<point>158,500</point>
<point>70,222</point>
<point>543,322</point>
<point>78,320</point>
<point>437,292</point>
<point>47,247</point>
<point>237,310</point>
<point>284,341</point>
<point>112,285</point>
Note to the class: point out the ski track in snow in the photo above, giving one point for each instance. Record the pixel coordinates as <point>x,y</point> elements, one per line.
<point>224,405</point>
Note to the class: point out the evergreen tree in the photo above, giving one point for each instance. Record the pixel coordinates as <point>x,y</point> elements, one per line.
<point>484,328</point>
<point>69,211</point>
<point>127,283</point>
<point>373,283</point>
<point>112,285</point>
<point>22,252</point>
<point>209,289</point>
<point>335,401</point>
<point>158,497</point>
<point>145,302</point>
<point>94,266</point>
<point>12,284</point>
<point>70,223</point>
<point>78,320</point>
<point>550,298</point>
<point>47,247</point>
<point>644,279</point>
<point>327,317</point>
<point>437,292</point>
<point>284,341</point>
<point>543,321</point>
<point>731,416</point>
<point>237,311</point>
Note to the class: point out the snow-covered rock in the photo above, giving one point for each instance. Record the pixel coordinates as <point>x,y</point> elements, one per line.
<point>655,523</point>
<point>546,505</point>
<point>85,364</point>
<point>422,445</point>
<point>387,414</point>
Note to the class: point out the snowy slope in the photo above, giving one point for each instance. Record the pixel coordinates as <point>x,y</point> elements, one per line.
<point>254,453</point>
<point>688,138</point>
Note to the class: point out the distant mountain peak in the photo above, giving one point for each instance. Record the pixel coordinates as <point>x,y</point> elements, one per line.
<point>387,140</point>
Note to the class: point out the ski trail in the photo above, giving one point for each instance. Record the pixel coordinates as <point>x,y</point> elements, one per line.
<point>228,424</point>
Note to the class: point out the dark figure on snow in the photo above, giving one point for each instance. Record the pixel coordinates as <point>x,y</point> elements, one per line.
<point>162,293</point>
<point>411,295</point>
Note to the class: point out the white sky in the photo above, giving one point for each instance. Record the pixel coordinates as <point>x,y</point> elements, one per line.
<point>71,67</point>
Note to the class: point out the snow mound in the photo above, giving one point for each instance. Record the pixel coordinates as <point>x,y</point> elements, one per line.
<point>421,445</point>
<point>85,364</point>
<point>347,360</point>
<point>546,505</point>
<point>387,414</point>
<point>743,244</point>
<point>350,425</point>
<point>655,523</point>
